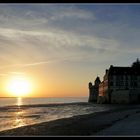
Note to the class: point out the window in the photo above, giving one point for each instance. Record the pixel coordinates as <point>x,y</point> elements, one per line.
<point>126,78</point>
<point>111,83</point>
<point>135,84</point>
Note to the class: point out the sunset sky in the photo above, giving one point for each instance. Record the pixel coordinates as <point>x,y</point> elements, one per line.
<point>59,48</point>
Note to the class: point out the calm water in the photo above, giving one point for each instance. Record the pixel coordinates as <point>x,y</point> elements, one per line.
<point>16,112</point>
<point>31,101</point>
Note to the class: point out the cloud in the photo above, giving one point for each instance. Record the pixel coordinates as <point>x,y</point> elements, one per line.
<point>23,65</point>
<point>72,12</point>
<point>42,33</point>
<point>40,16</point>
<point>11,73</point>
<point>49,45</point>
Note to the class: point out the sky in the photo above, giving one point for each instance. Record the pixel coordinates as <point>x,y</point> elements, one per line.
<point>62,47</point>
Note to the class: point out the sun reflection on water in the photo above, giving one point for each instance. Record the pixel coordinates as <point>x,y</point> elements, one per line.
<point>19,119</point>
<point>19,101</point>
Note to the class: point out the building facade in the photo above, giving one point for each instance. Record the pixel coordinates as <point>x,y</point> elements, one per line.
<point>120,85</point>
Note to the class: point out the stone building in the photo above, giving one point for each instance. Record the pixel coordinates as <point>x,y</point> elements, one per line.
<point>120,85</point>
<point>93,90</point>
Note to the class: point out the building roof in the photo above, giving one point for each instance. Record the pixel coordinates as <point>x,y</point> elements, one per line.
<point>113,70</point>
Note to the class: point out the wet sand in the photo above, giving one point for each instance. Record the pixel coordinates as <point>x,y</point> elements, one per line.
<point>82,125</point>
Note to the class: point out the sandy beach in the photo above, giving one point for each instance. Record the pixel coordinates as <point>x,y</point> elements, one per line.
<point>82,125</point>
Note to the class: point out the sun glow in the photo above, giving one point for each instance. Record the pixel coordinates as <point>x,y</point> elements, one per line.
<point>19,86</point>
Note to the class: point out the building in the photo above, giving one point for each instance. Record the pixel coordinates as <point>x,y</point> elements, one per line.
<point>93,90</point>
<point>120,85</point>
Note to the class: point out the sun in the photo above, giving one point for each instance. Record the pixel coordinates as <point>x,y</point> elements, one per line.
<point>19,86</point>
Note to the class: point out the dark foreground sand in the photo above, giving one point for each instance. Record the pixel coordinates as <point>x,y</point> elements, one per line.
<point>83,125</point>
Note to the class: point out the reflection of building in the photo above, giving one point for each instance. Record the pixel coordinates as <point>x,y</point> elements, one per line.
<point>120,85</point>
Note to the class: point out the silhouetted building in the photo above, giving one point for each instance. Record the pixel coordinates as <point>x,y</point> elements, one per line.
<point>120,85</point>
<point>93,90</point>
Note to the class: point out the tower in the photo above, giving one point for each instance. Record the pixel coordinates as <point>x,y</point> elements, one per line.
<point>94,90</point>
<point>97,82</point>
<point>90,86</point>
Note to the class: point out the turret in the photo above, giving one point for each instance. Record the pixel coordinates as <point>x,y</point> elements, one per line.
<point>89,85</point>
<point>136,64</point>
<point>97,81</point>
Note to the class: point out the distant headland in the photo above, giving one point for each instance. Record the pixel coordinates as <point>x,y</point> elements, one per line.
<point>119,85</point>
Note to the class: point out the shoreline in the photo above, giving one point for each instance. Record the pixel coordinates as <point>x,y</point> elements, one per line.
<point>45,105</point>
<point>81,125</point>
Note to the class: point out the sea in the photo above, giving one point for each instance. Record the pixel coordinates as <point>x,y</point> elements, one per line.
<point>17,112</point>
